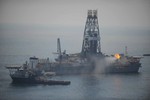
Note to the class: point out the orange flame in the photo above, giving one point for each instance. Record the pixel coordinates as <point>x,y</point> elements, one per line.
<point>117,56</point>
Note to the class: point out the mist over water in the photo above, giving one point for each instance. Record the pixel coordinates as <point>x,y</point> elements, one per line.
<point>101,64</point>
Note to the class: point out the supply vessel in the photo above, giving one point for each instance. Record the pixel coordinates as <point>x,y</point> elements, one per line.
<point>33,73</point>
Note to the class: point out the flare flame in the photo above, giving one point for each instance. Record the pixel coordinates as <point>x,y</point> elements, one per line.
<point>117,56</point>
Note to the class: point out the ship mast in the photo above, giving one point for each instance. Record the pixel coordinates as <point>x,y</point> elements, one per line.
<point>126,51</point>
<point>91,38</point>
<point>58,47</point>
<point>59,50</point>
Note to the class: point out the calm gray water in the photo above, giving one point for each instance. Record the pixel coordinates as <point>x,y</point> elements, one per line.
<point>82,87</point>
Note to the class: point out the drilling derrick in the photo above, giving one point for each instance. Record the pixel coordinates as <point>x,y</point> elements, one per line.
<point>91,39</point>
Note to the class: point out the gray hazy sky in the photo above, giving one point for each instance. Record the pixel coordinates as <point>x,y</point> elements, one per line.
<point>112,13</point>
<point>31,22</point>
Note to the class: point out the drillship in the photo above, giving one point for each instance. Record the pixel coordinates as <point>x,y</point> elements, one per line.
<point>93,63</point>
<point>91,59</point>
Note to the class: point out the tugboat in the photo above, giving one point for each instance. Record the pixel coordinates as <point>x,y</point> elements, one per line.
<point>33,73</point>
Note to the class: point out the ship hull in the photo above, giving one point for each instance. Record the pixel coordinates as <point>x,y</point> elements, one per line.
<point>34,81</point>
<point>129,69</point>
<point>23,80</point>
<point>70,70</point>
<point>65,69</point>
<point>107,70</point>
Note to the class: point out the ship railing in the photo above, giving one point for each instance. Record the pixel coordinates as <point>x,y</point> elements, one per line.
<point>13,68</point>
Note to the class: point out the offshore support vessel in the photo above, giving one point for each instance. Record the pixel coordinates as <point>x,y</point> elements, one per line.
<point>33,73</point>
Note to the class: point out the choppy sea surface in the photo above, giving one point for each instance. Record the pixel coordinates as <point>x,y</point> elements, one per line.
<point>82,87</point>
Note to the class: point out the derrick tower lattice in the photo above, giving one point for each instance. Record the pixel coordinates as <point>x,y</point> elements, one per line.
<point>91,39</point>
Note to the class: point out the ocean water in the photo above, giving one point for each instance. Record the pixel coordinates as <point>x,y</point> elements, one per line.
<point>82,87</point>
